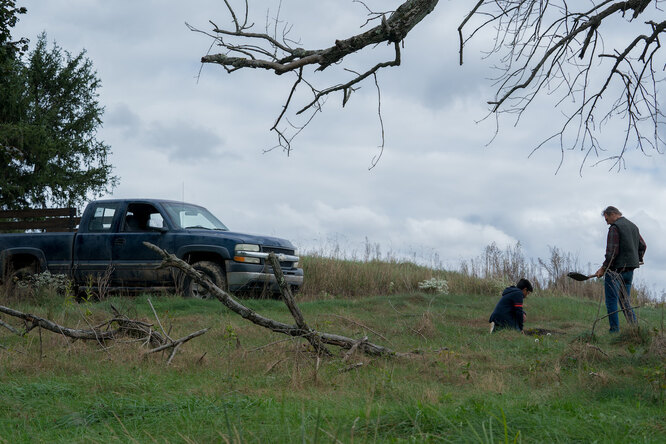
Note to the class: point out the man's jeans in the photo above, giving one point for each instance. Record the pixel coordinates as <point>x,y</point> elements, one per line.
<point>618,288</point>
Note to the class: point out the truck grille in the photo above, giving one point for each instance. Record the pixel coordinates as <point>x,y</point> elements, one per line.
<point>279,250</point>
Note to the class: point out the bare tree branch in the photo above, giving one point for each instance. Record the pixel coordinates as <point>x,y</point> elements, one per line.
<point>541,49</point>
<point>273,50</point>
<point>177,342</point>
<point>556,48</point>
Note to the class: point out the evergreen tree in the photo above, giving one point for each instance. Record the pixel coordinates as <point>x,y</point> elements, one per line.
<point>49,117</point>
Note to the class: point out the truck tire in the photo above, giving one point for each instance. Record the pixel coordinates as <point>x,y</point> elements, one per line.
<point>20,270</point>
<point>11,276</point>
<point>213,271</point>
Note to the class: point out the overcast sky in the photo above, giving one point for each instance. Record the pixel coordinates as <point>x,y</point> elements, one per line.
<point>439,191</point>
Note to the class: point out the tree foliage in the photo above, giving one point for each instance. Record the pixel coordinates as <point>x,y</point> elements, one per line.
<point>552,50</point>
<point>8,19</point>
<point>49,117</point>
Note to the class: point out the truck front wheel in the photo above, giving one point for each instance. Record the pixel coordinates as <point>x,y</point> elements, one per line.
<point>20,270</point>
<point>213,271</point>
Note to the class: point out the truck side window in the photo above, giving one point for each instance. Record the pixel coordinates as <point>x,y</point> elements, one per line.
<point>102,218</point>
<point>142,217</point>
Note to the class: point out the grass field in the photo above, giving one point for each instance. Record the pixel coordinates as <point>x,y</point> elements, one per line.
<point>241,383</point>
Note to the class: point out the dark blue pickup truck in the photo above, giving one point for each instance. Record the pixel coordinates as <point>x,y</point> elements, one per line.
<point>108,245</point>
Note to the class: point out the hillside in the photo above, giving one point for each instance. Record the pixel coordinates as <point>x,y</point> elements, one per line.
<point>241,383</point>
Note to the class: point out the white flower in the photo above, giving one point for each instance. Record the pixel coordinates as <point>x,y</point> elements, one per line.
<point>435,285</point>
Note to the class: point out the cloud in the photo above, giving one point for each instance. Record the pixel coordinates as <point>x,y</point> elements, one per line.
<point>184,141</point>
<point>180,140</point>
<point>455,237</point>
<point>121,116</point>
<point>323,217</point>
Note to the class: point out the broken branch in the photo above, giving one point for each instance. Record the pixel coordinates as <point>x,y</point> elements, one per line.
<point>170,260</point>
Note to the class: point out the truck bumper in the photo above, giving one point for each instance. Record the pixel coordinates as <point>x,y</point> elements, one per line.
<point>243,277</point>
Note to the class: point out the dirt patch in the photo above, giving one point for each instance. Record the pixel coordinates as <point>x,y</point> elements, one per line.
<point>542,332</point>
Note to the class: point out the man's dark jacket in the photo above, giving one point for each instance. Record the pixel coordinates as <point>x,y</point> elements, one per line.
<point>509,312</point>
<point>631,247</point>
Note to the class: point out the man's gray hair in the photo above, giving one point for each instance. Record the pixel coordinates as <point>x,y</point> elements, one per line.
<point>611,210</point>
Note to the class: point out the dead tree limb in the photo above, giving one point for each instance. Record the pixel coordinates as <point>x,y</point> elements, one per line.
<point>557,48</point>
<point>177,342</point>
<point>170,260</point>
<point>312,336</point>
<point>274,50</point>
<point>359,324</point>
<point>10,328</point>
<point>32,321</point>
<point>101,333</point>
<point>351,367</point>
<point>138,329</point>
<point>353,349</point>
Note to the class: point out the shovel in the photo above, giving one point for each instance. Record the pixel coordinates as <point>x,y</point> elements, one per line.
<point>579,276</point>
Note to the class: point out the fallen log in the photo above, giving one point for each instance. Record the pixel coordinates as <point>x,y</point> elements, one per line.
<point>312,336</point>
<point>300,329</point>
<point>126,327</point>
<point>32,322</point>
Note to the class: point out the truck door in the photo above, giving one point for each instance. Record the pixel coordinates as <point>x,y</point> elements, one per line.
<point>92,246</point>
<point>134,264</point>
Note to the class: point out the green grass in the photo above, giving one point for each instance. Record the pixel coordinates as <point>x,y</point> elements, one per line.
<point>241,383</point>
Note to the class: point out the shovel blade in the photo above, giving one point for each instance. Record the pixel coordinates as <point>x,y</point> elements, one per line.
<point>578,276</point>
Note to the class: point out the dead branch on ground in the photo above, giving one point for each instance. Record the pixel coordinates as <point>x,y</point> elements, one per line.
<point>317,339</point>
<point>125,327</point>
<point>174,345</point>
<point>32,321</point>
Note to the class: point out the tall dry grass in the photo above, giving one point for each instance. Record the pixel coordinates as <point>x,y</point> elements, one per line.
<point>344,278</point>
<point>333,275</point>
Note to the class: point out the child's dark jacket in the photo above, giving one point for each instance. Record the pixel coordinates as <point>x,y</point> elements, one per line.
<point>509,312</point>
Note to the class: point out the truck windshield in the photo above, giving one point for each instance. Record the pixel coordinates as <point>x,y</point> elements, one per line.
<point>191,216</point>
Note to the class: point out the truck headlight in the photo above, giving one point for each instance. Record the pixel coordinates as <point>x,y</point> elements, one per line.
<point>240,256</point>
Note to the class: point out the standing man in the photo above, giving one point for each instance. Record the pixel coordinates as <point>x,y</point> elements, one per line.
<point>509,311</point>
<point>625,249</point>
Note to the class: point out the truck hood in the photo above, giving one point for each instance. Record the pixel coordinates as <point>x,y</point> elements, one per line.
<point>244,238</point>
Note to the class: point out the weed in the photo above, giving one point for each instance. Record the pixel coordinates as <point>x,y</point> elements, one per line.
<point>231,338</point>
<point>487,436</point>
<point>466,371</point>
<point>434,285</point>
<point>632,336</point>
<point>657,347</point>
<point>586,337</point>
<point>656,377</point>
<point>43,288</point>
